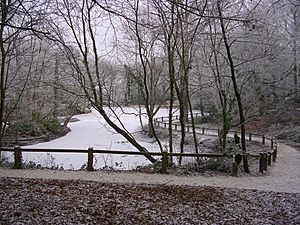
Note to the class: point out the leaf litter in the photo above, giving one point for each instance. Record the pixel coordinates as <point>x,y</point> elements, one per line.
<point>46,201</point>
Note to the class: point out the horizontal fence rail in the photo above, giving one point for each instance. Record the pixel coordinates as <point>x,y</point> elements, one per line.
<point>265,159</point>
<point>90,155</point>
<point>164,123</point>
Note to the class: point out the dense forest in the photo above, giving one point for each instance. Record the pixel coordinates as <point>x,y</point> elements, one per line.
<point>232,61</point>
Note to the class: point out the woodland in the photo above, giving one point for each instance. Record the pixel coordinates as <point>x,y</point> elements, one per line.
<point>235,62</point>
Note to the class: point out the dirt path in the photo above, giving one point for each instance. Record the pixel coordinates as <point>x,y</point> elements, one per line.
<point>283,176</point>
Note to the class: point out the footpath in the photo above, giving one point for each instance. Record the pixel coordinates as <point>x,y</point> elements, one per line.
<point>283,176</point>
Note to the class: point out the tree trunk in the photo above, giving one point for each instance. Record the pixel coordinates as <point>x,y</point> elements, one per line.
<point>295,32</point>
<point>146,94</point>
<point>123,133</point>
<point>171,83</point>
<point>194,129</point>
<point>4,11</point>
<point>236,90</point>
<point>182,129</point>
<point>55,88</point>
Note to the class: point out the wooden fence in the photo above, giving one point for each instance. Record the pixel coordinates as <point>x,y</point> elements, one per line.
<point>90,155</point>
<point>163,122</point>
<point>265,159</point>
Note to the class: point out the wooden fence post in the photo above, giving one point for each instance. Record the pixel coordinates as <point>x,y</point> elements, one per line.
<point>261,163</point>
<point>275,154</point>
<point>263,139</point>
<point>250,136</point>
<point>234,168</point>
<point>90,160</point>
<point>265,161</point>
<point>164,164</point>
<point>203,130</point>
<point>272,143</point>
<point>269,158</point>
<point>18,158</point>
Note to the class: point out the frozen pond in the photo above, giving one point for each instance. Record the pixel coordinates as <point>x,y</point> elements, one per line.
<point>92,131</point>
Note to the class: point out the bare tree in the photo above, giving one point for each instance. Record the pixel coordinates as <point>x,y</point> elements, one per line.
<point>290,15</point>
<point>19,20</point>
<point>168,21</point>
<point>215,60</point>
<point>178,31</point>
<point>80,19</point>
<point>235,86</point>
<point>150,66</point>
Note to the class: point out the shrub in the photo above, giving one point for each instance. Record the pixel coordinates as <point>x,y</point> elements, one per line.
<point>26,128</point>
<point>5,162</point>
<point>210,118</point>
<point>52,125</point>
<point>30,128</point>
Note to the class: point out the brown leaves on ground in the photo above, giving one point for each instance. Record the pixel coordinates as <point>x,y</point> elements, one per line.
<point>41,201</point>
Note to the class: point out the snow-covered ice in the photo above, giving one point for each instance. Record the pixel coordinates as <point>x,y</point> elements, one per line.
<point>92,131</point>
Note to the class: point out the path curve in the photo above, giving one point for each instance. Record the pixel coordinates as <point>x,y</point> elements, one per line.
<point>283,176</point>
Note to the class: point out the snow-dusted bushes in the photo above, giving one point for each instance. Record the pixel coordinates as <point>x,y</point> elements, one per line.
<point>35,128</point>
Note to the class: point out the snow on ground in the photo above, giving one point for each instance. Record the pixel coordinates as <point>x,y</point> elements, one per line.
<point>92,131</point>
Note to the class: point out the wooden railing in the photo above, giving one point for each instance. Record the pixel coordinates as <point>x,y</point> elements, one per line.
<point>265,159</point>
<point>163,122</point>
<point>90,155</point>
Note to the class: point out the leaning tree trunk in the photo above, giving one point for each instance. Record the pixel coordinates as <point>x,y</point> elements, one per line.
<point>123,133</point>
